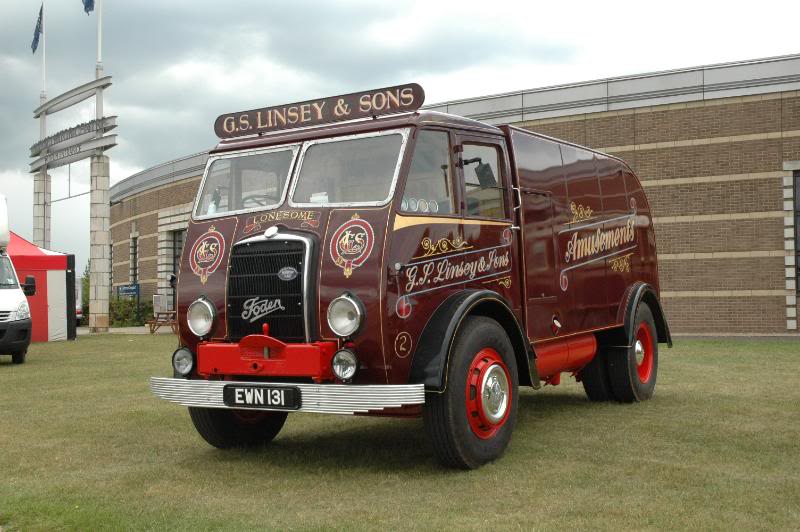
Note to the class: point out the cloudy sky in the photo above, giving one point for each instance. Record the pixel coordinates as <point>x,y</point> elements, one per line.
<point>177,64</point>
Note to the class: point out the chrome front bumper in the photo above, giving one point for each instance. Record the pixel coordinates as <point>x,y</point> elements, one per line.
<point>317,398</point>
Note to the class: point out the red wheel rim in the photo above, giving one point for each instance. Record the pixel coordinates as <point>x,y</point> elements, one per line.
<point>488,394</point>
<point>644,352</point>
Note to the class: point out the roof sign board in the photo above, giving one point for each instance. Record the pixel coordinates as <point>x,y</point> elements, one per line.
<point>365,104</point>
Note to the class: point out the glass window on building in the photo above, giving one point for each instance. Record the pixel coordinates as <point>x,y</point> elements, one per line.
<point>178,239</point>
<point>134,259</point>
<point>797,231</point>
<point>111,269</point>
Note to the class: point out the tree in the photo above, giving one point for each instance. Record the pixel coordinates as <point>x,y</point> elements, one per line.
<point>85,291</point>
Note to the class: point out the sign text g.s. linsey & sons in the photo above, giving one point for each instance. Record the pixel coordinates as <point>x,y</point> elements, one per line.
<point>390,100</point>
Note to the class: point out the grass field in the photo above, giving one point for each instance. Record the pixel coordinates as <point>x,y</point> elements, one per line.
<point>83,445</point>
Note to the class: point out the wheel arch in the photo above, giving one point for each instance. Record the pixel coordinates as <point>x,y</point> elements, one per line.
<point>638,293</point>
<point>431,359</point>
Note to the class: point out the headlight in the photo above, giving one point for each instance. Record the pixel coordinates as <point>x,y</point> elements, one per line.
<point>344,315</point>
<point>200,317</point>
<point>23,311</point>
<point>182,361</point>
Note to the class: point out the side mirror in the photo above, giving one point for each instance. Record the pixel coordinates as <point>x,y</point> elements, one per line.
<point>29,286</point>
<point>173,280</point>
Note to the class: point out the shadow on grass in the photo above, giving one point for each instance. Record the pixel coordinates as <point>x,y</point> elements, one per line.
<point>374,444</point>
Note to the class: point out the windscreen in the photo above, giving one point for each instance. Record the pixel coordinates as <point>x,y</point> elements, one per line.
<point>8,279</point>
<point>247,182</point>
<point>348,171</point>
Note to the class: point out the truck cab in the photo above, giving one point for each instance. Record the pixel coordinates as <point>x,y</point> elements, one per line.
<point>355,255</point>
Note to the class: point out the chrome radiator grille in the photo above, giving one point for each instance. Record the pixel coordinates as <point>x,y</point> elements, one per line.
<point>257,294</point>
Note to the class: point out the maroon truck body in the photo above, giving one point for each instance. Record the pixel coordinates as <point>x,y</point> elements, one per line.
<point>552,241</point>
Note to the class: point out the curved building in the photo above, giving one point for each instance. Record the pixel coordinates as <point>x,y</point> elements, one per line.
<point>717,148</point>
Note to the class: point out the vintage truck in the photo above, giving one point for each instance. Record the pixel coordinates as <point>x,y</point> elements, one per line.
<point>357,255</point>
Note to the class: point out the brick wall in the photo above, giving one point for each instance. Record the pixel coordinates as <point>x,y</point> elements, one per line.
<point>142,211</point>
<point>714,176</point>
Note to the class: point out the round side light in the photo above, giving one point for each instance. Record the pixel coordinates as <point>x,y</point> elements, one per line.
<point>345,364</point>
<point>182,361</point>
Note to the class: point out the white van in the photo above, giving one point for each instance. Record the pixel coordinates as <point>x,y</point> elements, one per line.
<point>15,314</point>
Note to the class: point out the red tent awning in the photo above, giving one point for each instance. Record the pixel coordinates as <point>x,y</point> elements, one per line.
<point>29,256</point>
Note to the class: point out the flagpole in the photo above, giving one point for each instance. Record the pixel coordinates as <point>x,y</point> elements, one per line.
<point>98,71</point>
<point>43,94</point>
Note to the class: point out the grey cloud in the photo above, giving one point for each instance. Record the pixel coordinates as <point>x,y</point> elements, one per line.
<point>159,120</point>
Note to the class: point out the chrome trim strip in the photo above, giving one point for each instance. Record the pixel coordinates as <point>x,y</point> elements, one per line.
<point>308,243</point>
<point>316,398</point>
<point>404,133</point>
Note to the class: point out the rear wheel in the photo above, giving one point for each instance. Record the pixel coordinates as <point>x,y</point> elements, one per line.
<point>236,428</point>
<point>632,371</point>
<point>18,358</point>
<point>594,378</point>
<point>472,421</point>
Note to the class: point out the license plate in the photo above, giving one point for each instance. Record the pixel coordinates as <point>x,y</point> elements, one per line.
<point>278,397</point>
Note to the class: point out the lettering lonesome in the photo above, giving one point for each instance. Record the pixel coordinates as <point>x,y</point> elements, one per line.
<point>391,100</point>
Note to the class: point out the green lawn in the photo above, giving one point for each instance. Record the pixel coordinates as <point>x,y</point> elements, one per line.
<point>84,445</point>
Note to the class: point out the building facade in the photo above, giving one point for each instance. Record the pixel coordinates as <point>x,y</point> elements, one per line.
<point>717,148</point>
<point>149,216</point>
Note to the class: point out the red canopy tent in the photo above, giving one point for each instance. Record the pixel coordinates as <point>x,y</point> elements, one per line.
<point>53,306</point>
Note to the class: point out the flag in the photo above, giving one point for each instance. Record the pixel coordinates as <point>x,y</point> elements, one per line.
<point>88,5</point>
<point>37,31</point>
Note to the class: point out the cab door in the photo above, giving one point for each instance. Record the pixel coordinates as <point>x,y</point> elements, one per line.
<point>484,173</point>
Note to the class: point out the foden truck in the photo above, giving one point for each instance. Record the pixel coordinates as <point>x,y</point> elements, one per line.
<point>357,255</point>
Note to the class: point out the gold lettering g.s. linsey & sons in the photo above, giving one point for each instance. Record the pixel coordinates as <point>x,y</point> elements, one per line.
<point>389,100</point>
<point>599,241</point>
<point>468,266</point>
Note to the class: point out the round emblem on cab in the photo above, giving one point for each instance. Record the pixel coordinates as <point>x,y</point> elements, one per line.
<point>287,274</point>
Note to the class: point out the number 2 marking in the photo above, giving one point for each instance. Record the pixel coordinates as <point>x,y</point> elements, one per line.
<point>402,344</point>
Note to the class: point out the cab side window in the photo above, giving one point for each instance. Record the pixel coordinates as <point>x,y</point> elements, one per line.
<point>429,185</point>
<point>483,184</point>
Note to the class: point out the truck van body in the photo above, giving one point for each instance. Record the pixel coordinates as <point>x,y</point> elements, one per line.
<point>404,263</point>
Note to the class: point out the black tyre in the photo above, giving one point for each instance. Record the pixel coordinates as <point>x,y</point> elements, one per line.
<point>632,371</point>
<point>594,378</point>
<point>18,358</point>
<point>472,421</point>
<point>236,428</point>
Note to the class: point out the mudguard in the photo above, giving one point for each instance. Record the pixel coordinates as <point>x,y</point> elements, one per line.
<point>429,366</point>
<point>644,292</point>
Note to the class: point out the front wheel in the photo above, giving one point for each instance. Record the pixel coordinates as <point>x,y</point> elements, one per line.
<point>472,421</point>
<point>18,358</point>
<point>236,428</point>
